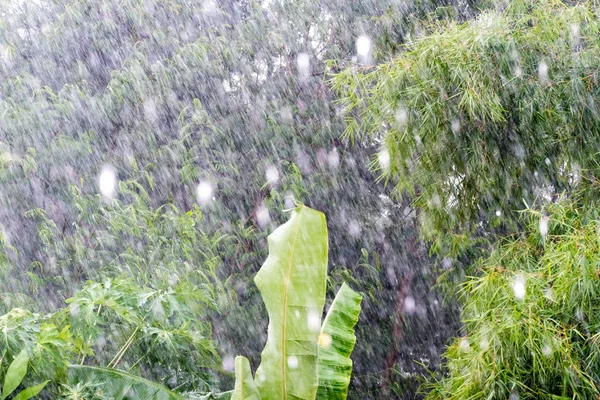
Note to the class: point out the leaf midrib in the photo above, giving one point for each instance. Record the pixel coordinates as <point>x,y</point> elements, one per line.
<point>285,298</point>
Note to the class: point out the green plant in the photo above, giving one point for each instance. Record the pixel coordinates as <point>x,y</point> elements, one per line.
<point>303,359</point>
<point>14,376</point>
<point>532,316</point>
<point>477,116</point>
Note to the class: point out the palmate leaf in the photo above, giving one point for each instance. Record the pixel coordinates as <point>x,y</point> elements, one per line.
<point>119,385</point>
<point>245,388</point>
<point>336,343</point>
<point>292,285</point>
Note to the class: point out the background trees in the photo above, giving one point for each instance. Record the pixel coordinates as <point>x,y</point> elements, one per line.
<point>227,97</point>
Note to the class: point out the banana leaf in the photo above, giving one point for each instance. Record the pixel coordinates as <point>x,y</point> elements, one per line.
<point>245,388</point>
<point>292,284</point>
<point>336,343</point>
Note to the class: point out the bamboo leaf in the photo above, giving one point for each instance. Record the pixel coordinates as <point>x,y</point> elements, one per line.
<point>120,385</point>
<point>15,374</point>
<point>292,284</point>
<point>336,343</point>
<point>245,388</point>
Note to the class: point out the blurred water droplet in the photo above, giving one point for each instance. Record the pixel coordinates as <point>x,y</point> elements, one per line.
<point>289,202</point>
<point>272,175</point>
<point>333,158</point>
<point>324,340</point>
<point>446,263</point>
<point>313,320</point>
<point>543,72</point>
<point>498,213</point>
<point>518,287</point>
<point>262,216</point>
<point>363,46</point>
<point>107,182</point>
<point>544,226</point>
<point>228,363</point>
<point>303,62</point>
<point>547,350</point>
<point>384,159</point>
<point>354,228</point>
<point>484,344</point>
<point>204,193</point>
<point>455,125</point>
<point>292,362</point>
<point>464,345</point>
<point>401,116</point>
<point>514,396</point>
<point>409,305</point>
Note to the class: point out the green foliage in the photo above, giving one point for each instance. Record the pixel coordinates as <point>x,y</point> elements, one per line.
<point>292,281</point>
<point>476,118</point>
<point>245,388</point>
<point>112,384</point>
<point>292,284</point>
<point>14,376</point>
<point>336,342</point>
<point>532,315</point>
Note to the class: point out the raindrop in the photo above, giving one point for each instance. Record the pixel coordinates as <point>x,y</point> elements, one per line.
<point>289,202</point>
<point>107,182</point>
<point>518,287</point>
<point>547,161</point>
<point>204,193</point>
<point>446,263</point>
<point>303,65</point>
<point>455,125</point>
<point>333,158</point>
<point>409,305</point>
<point>543,72</point>
<point>363,46</point>
<point>484,344</point>
<point>272,175</point>
<point>262,216</point>
<point>228,363</point>
<point>401,116</point>
<point>498,213</point>
<point>384,159</point>
<point>313,321</point>
<point>547,350</point>
<point>464,345</point>
<point>324,340</point>
<point>354,228</point>
<point>292,362</point>
<point>544,226</point>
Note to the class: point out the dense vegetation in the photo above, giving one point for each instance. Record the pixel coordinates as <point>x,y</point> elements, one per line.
<point>147,149</point>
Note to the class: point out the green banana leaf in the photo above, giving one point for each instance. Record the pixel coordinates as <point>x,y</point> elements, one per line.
<point>292,284</point>
<point>245,388</point>
<point>336,343</point>
<point>119,385</point>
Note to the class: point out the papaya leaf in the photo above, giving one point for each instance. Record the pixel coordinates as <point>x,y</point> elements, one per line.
<point>15,374</point>
<point>336,343</point>
<point>292,284</point>
<point>245,388</point>
<point>119,385</point>
<point>28,393</point>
